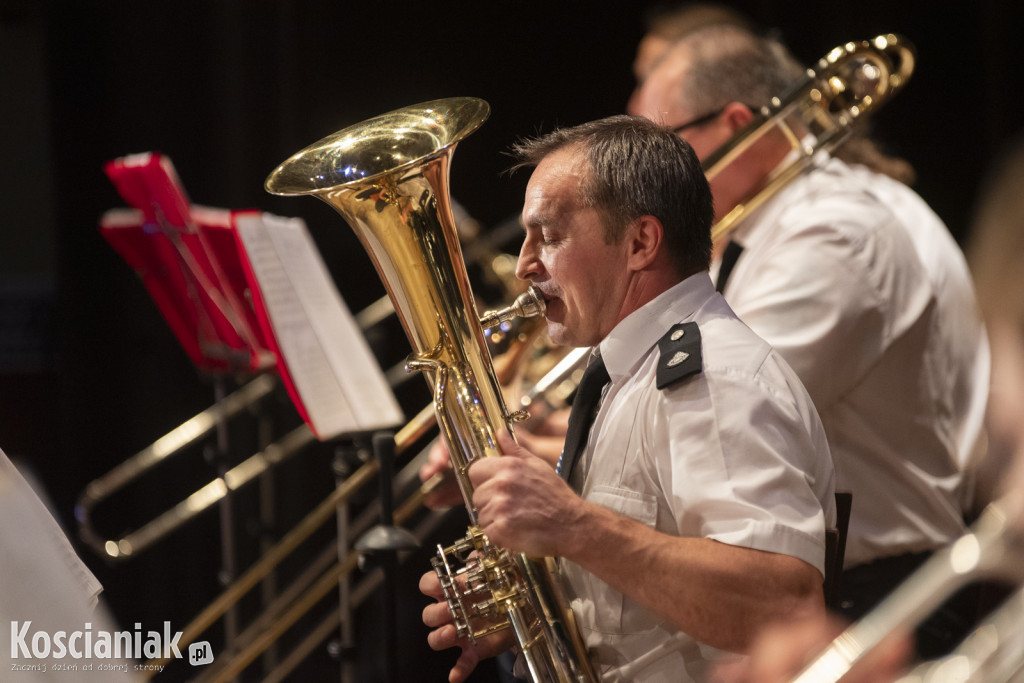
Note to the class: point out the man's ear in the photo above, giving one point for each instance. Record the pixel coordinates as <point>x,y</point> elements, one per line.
<point>736,115</point>
<point>646,236</point>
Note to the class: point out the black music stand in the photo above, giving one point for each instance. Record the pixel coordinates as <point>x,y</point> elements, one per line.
<point>380,547</point>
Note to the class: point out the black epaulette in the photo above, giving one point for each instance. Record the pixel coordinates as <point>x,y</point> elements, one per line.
<point>680,354</point>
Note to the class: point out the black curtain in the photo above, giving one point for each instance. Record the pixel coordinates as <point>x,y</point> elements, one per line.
<point>229,88</point>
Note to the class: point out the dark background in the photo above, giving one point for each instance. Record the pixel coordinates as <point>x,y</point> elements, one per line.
<point>89,372</point>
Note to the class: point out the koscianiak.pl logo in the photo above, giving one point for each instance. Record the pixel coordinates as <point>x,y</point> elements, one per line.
<point>34,650</point>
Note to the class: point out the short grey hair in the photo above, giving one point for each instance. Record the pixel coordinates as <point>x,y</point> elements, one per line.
<point>638,168</point>
<point>731,64</point>
<point>728,63</point>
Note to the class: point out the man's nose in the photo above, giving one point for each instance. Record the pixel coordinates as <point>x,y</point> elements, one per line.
<point>527,266</point>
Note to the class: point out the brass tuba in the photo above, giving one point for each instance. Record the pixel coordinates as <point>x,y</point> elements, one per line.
<point>388,178</point>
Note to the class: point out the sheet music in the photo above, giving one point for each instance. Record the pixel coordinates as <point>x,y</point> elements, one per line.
<point>187,257</point>
<point>339,381</point>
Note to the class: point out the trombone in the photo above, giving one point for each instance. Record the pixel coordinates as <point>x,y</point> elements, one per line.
<point>818,113</point>
<point>851,81</point>
<point>171,443</point>
<point>992,653</point>
<point>992,548</point>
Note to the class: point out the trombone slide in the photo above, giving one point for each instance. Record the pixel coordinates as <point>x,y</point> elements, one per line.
<point>174,441</point>
<point>992,549</point>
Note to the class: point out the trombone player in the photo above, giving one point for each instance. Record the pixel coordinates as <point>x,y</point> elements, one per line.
<point>861,288</point>
<point>694,509</point>
<point>995,254</point>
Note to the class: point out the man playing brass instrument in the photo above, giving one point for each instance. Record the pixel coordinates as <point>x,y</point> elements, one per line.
<point>862,290</point>
<point>996,258</point>
<point>696,508</point>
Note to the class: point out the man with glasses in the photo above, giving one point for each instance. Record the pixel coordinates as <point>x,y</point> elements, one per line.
<point>862,289</point>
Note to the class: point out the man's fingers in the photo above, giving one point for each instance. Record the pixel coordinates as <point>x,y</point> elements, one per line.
<point>437,614</point>
<point>482,470</point>
<point>464,666</point>
<point>439,485</point>
<point>443,638</point>
<point>546,447</point>
<point>508,444</point>
<point>446,496</point>
<point>430,586</point>
<point>431,469</point>
<point>437,461</point>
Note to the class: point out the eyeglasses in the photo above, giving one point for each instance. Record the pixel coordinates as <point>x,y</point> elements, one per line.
<point>698,121</point>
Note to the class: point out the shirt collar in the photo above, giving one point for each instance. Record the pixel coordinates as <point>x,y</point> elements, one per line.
<point>633,337</point>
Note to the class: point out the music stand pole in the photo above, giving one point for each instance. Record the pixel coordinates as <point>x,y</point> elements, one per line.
<point>344,456</point>
<point>227,521</point>
<point>381,544</point>
<point>268,523</point>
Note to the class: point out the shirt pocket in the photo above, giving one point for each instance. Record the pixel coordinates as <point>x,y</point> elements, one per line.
<point>613,612</point>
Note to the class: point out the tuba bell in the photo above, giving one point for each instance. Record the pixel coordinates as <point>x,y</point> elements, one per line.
<point>388,178</point>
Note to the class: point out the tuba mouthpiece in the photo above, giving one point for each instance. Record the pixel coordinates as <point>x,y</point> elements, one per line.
<point>527,305</point>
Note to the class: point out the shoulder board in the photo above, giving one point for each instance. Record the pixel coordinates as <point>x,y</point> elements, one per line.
<point>680,354</point>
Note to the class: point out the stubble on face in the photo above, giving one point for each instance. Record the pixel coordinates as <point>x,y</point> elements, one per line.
<point>565,254</point>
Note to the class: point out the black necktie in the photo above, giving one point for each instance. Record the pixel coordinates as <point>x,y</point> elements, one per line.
<point>729,258</point>
<point>584,407</point>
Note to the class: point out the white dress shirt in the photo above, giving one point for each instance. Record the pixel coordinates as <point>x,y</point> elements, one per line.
<point>735,453</point>
<point>20,501</point>
<point>861,288</point>
<point>45,585</point>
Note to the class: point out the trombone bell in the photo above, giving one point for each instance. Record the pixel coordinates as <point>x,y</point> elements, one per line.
<point>817,114</point>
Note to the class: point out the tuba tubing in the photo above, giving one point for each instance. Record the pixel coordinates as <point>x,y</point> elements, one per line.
<point>388,178</point>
